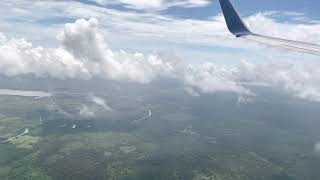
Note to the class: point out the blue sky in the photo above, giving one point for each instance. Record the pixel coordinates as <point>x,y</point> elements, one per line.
<point>248,7</point>
<point>192,30</point>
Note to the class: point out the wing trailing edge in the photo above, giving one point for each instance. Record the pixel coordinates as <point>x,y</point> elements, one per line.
<point>238,28</point>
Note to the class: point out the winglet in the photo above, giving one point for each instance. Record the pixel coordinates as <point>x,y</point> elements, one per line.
<point>233,20</point>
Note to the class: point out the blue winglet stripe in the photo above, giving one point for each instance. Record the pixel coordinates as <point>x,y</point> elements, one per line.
<point>234,22</point>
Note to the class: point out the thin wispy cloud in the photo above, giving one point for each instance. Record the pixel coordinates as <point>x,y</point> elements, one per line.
<point>123,27</point>
<point>101,102</point>
<point>85,111</point>
<point>154,5</point>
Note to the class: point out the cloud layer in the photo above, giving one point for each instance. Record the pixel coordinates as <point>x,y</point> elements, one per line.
<point>84,54</point>
<point>298,78</point>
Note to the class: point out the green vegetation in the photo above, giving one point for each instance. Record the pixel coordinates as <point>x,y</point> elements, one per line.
<point>224,141</point>
<point>25,141</point>
<point>28,173</point>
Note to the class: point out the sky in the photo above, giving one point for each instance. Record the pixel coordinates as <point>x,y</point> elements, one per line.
<point>144,40</point>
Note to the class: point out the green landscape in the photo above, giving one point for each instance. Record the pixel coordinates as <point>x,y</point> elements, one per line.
<point>183,137</point>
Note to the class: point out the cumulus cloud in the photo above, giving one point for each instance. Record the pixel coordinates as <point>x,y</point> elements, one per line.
<point>298,78</point>
<point>155,4</point>
<point>20,57</point>
<point>86,44</point>
<point>84,54</point>
<point>211,78</point>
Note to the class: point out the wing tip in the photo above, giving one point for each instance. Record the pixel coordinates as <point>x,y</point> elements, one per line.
<point>234,22</point>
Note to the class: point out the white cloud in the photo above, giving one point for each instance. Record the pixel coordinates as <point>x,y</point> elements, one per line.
<point>85,111</point>
<point>85,43</point>
<point>20,57</point>
<point>84,54</point>
<point>306,31</point>
<point>211,78</point>
<point>298,78</point>
<point>101,102</point>
<point>126,29</point>
<point>135,4</point>
<point>151,5</point>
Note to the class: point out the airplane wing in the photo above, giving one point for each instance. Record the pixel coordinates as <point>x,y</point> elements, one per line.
<point>237,27</point>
